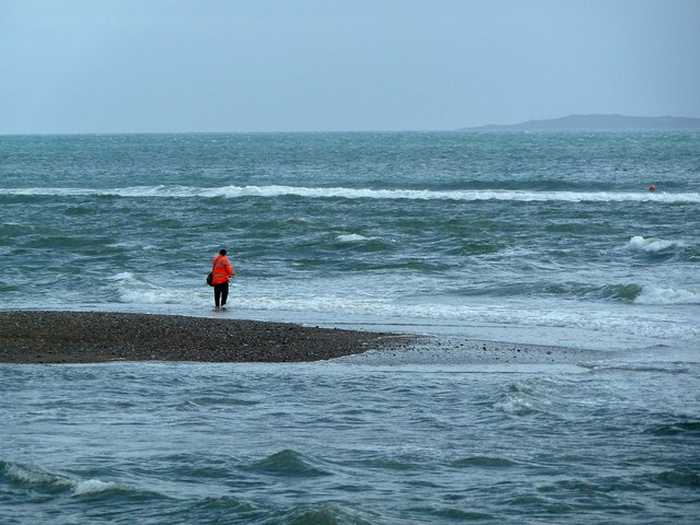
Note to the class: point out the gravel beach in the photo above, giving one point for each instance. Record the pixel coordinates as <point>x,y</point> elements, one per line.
<point>86,337</point>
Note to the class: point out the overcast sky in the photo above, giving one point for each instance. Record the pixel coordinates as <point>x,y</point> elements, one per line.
<point>199,65</point>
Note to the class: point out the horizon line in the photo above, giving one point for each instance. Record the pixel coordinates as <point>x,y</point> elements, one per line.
<point>474,127</point>
<point>219,132</point>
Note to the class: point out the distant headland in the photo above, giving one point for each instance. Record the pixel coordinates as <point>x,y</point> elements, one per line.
<point>599,122</point>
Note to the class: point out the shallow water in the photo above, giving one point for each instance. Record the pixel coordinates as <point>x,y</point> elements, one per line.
<point>548,236</point>
<point>359,441</point>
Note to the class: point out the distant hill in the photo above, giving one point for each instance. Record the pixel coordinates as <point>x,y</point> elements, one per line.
<point>609,122</point>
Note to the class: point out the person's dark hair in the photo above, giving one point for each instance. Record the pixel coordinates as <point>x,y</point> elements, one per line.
<point>222,252</point>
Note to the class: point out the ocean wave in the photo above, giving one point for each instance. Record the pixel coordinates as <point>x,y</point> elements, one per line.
<point>661,368</point>
<point>121,276</point>
<point>322,514</point>
<point>522,399</point>
<point>505,314</point>
<point>287,463</point>
<point>621,292</point>
<point>679,478</point>
<point>388,463</point>
<point>131,289</point>
<point>221,504</point>
<point>452,514</point>
<point>352,237</point>
<point>652,244</point>
<point>360,242</point>
<point>611,317</point>
<point>159,296</point>
<point>93,486</point>
<point>517,406</point>
<point>612,313</point>
<point>12,228</point>
<point>131,245</point>
<point>36,478</point>
<point>691,427</point>
<point>660,295</point>
<point>178,191</point>
<point>624,292</point>
<point>483,462</point>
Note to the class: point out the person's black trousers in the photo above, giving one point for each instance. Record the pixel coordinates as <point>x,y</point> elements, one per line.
<point>220,294</point>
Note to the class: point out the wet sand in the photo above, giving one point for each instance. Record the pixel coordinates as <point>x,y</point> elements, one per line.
<point>92,337</point>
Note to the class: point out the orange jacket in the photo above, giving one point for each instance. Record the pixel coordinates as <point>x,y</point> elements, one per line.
<point>222,270</point>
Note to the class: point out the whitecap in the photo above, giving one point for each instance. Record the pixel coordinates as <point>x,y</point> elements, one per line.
<point>131,244</point>
<point>516,406</point>
<point>351,237</point>
<point>121,276</point>
<point>660,295</point>
<point>652,244</point>
<point>177,191</point>
<point>34,476</point>
<point>92,486</point>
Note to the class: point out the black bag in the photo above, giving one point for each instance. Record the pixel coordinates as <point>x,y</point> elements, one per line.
<point>210,278</point>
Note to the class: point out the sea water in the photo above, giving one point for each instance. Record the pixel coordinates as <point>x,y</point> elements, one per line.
<point>552,238</point>
<point>540,238</point>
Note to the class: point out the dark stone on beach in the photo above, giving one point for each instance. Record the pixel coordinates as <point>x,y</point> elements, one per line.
<point>80,337</point>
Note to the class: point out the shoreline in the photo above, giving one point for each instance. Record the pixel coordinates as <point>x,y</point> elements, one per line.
<point>96,337</point>
<point>74,337</point>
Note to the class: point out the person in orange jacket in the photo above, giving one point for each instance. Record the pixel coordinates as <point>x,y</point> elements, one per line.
<point>222,271</point>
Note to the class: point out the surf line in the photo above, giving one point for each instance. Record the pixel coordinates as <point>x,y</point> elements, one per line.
<point>232,192</point>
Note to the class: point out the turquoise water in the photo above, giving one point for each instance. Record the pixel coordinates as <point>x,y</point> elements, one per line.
<point>539,238</point>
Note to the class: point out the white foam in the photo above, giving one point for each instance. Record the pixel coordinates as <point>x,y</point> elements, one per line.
<point>141,290</point>
<point>131,244</point>
<point>92,486</point>
<point>652,244</point>
<point>352,237</point>
<point>516,406</point>
<point>610,319</point>
<point>659,295</point>
<point>160,296</point>
<point>35,476</point>
<point>361,193</point>
<point>121,276</point>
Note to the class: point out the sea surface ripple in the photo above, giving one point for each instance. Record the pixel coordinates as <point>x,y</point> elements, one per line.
<point>343,443</point>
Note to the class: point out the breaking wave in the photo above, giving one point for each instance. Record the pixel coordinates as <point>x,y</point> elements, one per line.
<point>35,478</point>
<point>132,289</point>
<point>659,295</point>
<point>352,237</point>
<point>652,244</point>
<point>359,193</point>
